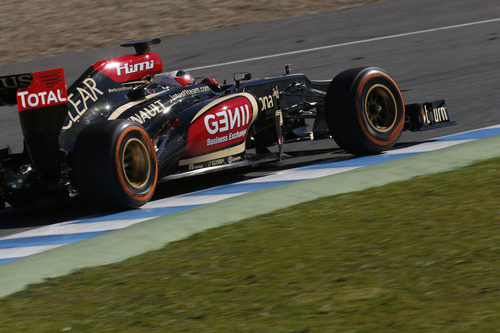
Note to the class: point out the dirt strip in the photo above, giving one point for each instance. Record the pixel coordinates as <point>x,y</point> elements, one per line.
<point>38,28</point>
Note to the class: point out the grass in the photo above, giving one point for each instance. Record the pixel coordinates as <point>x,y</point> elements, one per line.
<point>415,256</point>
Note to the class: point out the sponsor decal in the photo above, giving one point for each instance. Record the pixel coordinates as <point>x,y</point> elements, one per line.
<point>192,167</point>
<point>123,108</point>
<point>134,68</point>
<point>131,67</point>
<point>15,81</point>
<point>266,102</point>
<point>190,92</point>
<point>86,95</point>
<point>434,115</point>
<point>227,125</point>
<point>40,99</point>
<point>120,89</point>
<point>47,89</point>
<point>216,162</point>
<point>227,119</point>
<point>221,125</point>
<point>148,113</point>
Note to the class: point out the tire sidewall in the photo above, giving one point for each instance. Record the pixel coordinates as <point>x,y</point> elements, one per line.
<point>366,80</point>
<point>98,169</point>
<point>345,111</point>
<point>144,193</point>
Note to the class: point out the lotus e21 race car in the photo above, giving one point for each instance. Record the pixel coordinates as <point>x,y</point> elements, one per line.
<point>123,125</point>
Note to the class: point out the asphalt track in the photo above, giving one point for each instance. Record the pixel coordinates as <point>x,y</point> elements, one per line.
<point>446,49</point>
<point>434,50</point>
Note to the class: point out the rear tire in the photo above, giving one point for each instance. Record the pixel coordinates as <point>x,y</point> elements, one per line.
<point>365,110</point>
<point>115,165</point>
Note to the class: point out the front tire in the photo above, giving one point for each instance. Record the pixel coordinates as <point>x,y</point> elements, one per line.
<point>365,110</point>
<point>115,165</point>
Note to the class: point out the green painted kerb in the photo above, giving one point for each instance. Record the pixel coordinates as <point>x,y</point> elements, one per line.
<point>153,234</point>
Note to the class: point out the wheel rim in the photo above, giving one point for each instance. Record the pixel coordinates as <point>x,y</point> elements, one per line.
<point>136,163</point>
<point>381,109</point>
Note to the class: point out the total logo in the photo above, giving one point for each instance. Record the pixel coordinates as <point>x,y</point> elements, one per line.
<point>47,88</point>
<point>41,99</point>
<point>134,68</point>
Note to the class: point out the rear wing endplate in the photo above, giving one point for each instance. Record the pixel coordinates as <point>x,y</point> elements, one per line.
<point>41,99</point>
<point>48,88</point>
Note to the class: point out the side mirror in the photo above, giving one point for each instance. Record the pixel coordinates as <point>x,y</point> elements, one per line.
<point>241,77</point>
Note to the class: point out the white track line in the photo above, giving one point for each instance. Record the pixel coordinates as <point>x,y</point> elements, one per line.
<point>180,200</point>
<point>297,175</point>
<point>369,40</point>
<point>25,251</point>
<point>69,228</point>
<point>77,227</point>
<point>425,147</point>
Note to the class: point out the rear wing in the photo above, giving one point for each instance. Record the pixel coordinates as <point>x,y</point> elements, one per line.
<point>10,84</point>
<point>33,90</point>
<point>41,99</point>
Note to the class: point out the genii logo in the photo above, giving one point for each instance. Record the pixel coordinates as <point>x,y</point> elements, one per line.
<point>221,124</point>
<point>227,119</point>
<point>47,88</point>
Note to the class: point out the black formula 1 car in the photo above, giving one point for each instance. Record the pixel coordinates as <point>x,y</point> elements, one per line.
<point>123,125</point>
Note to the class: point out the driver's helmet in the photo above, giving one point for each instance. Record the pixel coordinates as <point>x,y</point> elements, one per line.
<point>176,79</point>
